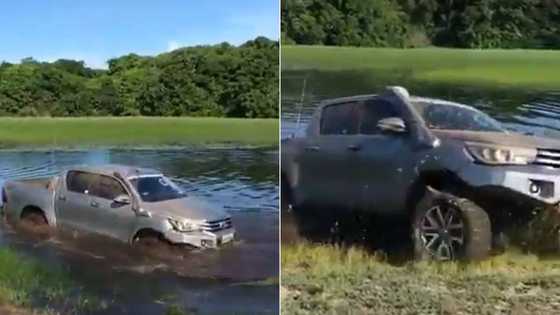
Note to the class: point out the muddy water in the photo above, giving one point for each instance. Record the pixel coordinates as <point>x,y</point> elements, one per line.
<point>238,278</point>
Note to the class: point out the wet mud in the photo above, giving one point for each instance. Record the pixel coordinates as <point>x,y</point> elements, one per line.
<point>132,279</point>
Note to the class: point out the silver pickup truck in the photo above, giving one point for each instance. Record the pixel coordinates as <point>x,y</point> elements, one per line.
<point>453,173</point>
<point>131,204</point>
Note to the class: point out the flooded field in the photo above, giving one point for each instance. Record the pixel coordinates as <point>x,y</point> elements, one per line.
<point>240,278</point>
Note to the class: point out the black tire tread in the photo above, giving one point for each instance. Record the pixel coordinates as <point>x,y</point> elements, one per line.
<point>478,232</point>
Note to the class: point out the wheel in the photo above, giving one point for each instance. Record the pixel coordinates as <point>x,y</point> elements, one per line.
<point>149,240</point>
<point>290,231</point>
<point>446,227</point>
<point>34,223</point>
<point>34,218</point>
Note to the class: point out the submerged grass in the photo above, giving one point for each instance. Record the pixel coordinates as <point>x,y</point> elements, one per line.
<point>25,283</point>
<point>535,69</point>
<point>130,131</point>
<point>319,279</point>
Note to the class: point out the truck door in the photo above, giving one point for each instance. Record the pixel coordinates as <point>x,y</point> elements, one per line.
<point>325,164</point>
<point>109,217</point>
<point>380,160</point>
<point>72,200</point>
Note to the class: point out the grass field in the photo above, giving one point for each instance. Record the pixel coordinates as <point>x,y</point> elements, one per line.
<point>135,131</point>
<point>324,279</point>
<point>25,282</point>
<point>536,69</point>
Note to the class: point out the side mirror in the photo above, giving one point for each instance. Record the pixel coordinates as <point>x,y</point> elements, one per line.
<point>392,124</point>
<point>122,199</point>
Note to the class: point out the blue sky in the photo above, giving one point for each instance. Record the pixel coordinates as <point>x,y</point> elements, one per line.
<point>97,30</point>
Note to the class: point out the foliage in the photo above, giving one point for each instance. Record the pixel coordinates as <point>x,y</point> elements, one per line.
<point>220,80</point>
<point>401,23</point>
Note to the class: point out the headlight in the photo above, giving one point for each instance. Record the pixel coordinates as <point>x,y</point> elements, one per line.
<point>184,225</point>
<point>501,155</point>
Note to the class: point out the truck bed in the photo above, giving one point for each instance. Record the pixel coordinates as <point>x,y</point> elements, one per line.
<point>38,193</point>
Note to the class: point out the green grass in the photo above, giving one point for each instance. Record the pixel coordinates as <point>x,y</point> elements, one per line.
<point>325,279</point>
<point>521,68</point>
<point>135,131</point>
<point>25,281</point>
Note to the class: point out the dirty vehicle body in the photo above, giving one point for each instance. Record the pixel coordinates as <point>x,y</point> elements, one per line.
<point>453,172</point>
<point>127,203</point>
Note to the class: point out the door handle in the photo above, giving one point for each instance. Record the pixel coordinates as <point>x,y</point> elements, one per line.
<point>354,147</point>
<point>94,204</point>
<point>62,198</point>
<point>312,148</point>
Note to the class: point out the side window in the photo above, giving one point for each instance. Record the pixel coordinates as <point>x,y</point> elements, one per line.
<point>79,182</point>
<point>107,187</point>
<point>340,119</point>
<point>372,112</point>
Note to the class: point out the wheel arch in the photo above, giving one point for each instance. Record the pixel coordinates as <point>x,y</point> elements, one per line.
<point>144,231</point>
<point>28,209</point>
<point>440,181</point>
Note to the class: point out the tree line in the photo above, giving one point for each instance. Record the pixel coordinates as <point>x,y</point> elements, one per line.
<point>417,23</point>
<point>220,80</point>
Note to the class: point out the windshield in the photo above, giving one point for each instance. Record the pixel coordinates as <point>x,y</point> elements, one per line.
<point>452,117</point>
<point>156,188</point>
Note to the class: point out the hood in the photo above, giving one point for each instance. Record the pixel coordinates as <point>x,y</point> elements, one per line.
<point>501,138</point>
<point>186,208</point>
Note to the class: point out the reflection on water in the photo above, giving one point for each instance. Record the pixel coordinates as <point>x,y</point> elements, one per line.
<point>523,111</point>
<point>243,182</point>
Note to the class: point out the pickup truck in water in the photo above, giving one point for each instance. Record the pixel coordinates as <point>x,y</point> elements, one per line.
<point>130,204</point>
<point>452,172</point>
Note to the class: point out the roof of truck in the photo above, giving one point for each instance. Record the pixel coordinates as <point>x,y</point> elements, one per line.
<point>110,169</point>
<point>412,98</point>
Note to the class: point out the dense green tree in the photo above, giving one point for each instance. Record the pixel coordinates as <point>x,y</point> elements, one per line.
<point>411,23</point>
<point>219,80</point>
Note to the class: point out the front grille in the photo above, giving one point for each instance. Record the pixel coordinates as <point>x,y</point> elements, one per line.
<point>548,157</point>
<point>218,225</point>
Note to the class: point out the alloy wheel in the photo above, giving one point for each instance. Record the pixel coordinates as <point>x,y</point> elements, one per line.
<point>442,232</point>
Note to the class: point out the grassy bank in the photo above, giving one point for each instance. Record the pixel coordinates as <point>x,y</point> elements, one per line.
<point>524,68</point>
<point>323,279</point>
<point>131,131</point>
<point>25,282</point>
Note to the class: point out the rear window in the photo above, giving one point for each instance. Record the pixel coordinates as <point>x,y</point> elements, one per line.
<point>372,112</point>
<point>79,182</point>
<point>107,187</point>
<point>340,119</point>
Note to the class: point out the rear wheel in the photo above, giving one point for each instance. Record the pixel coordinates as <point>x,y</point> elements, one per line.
<point>290,225</point>
<point>446,227</point>
<point>34,223</point>
<point>35,218</point>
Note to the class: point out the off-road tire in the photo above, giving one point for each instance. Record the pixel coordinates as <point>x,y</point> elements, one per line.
<point>476,231</point>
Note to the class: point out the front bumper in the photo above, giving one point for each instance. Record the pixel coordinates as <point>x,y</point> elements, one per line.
<point>202,239</point>
<point>538,183</point>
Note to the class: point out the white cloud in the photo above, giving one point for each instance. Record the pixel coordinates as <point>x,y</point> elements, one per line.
<point>172,45</point>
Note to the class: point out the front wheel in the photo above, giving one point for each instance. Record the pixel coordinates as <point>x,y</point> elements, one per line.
<point>446,227</point>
